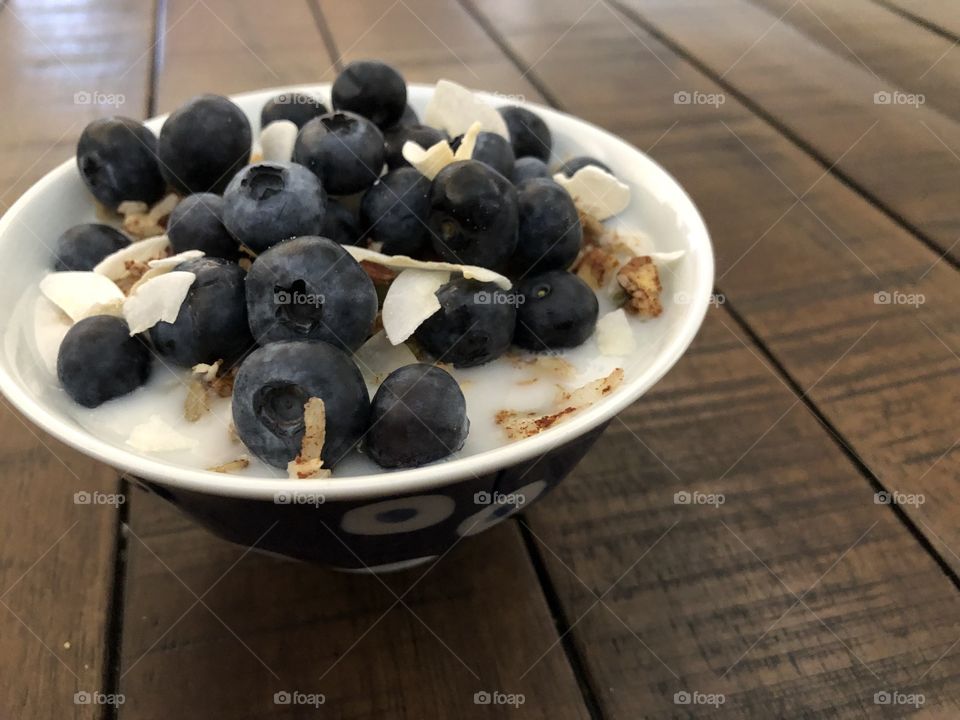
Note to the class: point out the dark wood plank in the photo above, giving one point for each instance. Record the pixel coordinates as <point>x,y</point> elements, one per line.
<point>271,625</point>
<point>57,561</point>
<point>898,52</point>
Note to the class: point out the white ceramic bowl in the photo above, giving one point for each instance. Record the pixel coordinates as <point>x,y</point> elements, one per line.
<point>659,207</point>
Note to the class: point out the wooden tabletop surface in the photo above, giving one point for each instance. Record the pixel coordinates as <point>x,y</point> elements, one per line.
<point>821,141</point>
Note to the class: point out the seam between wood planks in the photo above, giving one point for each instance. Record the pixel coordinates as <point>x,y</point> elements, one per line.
<point>323,27</point>
<point>838,438</point>
<point>113,653</point>
<point>918,20</point>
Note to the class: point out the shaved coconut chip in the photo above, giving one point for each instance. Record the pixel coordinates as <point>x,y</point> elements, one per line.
<point>468,143</point>
<point>157,300</point>
<point>308,463</point>
<point>241,463</point>
<point>117,265</point>
<point>164,265</point>
<point>155,435</point>
<point>143,223</point>
<point>133,207</point>
<point>402,262</point>
<point>454,108</point>
<point>614,335</point>
<point>81,294</point>
<point>429,162</point>
<point>378,357</point>
<point>411,299</point>
<point>208,372</point>
<point>277,140</point>
<point>596,192</point>
<point>667,257</point>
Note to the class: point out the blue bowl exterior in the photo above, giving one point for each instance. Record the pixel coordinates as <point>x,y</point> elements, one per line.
<point>377,534</point>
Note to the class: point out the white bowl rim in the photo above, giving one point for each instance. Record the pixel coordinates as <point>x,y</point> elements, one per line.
<point>398,482</point>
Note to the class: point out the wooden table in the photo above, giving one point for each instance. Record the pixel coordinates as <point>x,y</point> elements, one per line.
<point>822,142</point>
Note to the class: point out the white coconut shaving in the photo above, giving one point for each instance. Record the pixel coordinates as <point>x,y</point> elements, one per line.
<point>454,108</point>
<point>665,258</point>
<point>82,294</point>
<point>165,265</point>
<point>596,192</point>
<point>402,262</point>
<point>158,299</point>
<point>277,140</point>
<point>411,299</point>
<point>378,357</point>
<point>155,435</point>
<point>431,161</point>
<point>117,265</point>
<point>468,143</point>
<point>614,334</point>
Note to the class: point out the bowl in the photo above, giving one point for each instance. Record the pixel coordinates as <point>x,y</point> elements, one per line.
<point>386,521</point>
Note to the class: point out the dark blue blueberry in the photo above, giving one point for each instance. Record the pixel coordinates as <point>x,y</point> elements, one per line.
<point>372,89</point>
<point>528,168</point>
<point>212,323</point>
<point>272,387</point>
<point>529,134</point>
<point>196,223</point>
<point>83,246</point>
<point>396,137</point>
<point>570,167</point>
<point>270,202</point>
<point>342,149</point>
<point>117,159</point>
<point>340,224</point>
<point>473,215</point>
<point>559,310</point>
<point>298,108</point>
<point>550,232</point>
<point>417,416</point>
<point>310,288</point>
<point>395,211</point>
<point>493,150</point>
<point>473,326</point>
<point>99,360</point>
<point>203,144</point>
<point>409,117</point>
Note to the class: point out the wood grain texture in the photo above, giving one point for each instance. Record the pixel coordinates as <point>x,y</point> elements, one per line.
<point>941,15</point>
<point>58,63</point>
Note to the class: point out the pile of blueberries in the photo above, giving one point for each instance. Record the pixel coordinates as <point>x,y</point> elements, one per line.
<point>294,319</point>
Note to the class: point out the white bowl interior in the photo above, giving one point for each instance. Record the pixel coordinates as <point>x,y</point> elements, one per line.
<point>659,207</point>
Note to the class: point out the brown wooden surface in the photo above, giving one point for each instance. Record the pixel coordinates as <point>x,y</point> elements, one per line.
<point>798,597</point>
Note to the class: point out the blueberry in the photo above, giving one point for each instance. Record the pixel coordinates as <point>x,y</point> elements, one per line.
<point>372,89</point>
<point>395,210</point>
<point>272,387</point>
<point>491,149</point>
<point>570,167</point>
<point>559,310</point>
<point>310,288</point>
<point>212,323</point>
<point>409,117</point>
<point>98,360</point>
<point>473,215</point>
<point>203,143</point>
<point>417,416</point>
<point>83,246</point>
<point>270,202</point>
<point>340,225</point>
<point>342,149</point>
<point>117,159</point>
<point>196,223</point>
<point>396,137</point>
<point>473,326</point>
<point>550,231</point>
<point>298,108</point>
<point>528,168</point>
<point>529,134</point>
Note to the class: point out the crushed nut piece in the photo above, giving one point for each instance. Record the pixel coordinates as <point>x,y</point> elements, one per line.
<point>308,463</point>
<point>207,384</point>
<point>196,404</point>
<point>141,222</point>
<point>241,463</point>
<point>246,263</point>
<point>595,267</point>
<point>640,279</point>
<point>380,274</point>
<point>593,229</point>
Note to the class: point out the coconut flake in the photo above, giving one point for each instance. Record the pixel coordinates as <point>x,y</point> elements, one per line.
<point>431,161</point>
<point>163,266</point>
<point>277,140</point>
<point>158,299</point>
<point>308,463</point>
<point>142,223</point>
<point>411,299</point>
<point>596,192</point>
<point>82,294</point>
<point>118,265</point>
<point>454,108</point>
<point>241,463</point>
<point>155,435</point>
<point>468,143</point>
<point>402,262</point>
<point>378,357</point>
<point>614,334</point>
